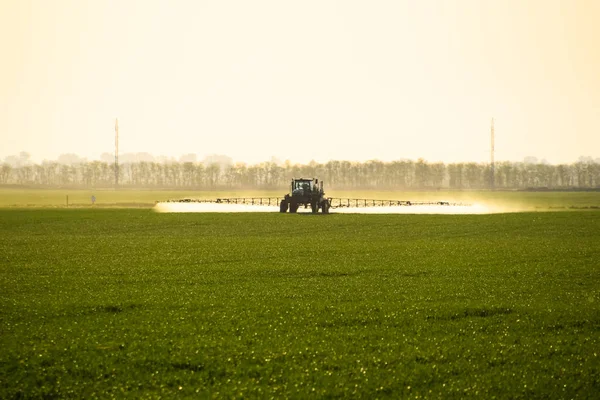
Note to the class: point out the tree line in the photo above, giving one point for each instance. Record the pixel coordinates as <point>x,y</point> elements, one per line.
<point>402,174</point>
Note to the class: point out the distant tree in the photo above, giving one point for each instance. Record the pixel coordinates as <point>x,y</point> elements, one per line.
<point>474,175</point>
<point>213,172</point>
<point>594,169</point>
<point>39,175</point>
<point>502,175</point>
<point>189,171</point>
<point>422,173</point>
<point>586,172</point>
<point>376,173</point>
<point>438,174</point>
<point>5,171</point>
<point>404,172</point>
<point>455,172</point>
<point>66,175</point>
<point>332,173</point>
<point>199,176</point>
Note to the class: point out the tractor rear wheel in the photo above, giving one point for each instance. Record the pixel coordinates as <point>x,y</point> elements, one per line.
<point>293,207</point>
<point>325,207</point>
<point>314,207</point>
<point>283,206</point>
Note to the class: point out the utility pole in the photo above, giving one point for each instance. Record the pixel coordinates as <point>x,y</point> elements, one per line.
<point>116,153</point>
<point>492,165</point>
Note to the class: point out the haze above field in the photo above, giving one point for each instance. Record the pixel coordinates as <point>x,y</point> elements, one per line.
<point>301,81</point>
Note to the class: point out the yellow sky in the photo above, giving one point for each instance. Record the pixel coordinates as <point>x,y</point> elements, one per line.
<point>306,80</point>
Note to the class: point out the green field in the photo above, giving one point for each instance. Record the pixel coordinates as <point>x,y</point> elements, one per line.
<point>508,200</point>
<point>132,303</point>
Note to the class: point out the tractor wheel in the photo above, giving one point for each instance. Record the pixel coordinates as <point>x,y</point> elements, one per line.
<point>314,207</point>
<point>293,207</point>
<point>283,206</point>
<point>325,207</point>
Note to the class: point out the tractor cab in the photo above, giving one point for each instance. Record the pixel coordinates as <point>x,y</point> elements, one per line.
<point>303,187</point>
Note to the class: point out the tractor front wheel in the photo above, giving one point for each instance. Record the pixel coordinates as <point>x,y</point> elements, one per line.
<point>293,207</point>
<point>283,206</point>
<point>314,207</point>
<point>325,207</point>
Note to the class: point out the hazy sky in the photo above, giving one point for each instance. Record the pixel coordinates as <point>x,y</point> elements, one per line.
<point>301,80</point>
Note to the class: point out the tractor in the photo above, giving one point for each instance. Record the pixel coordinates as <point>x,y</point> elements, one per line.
<point>305,192</point>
